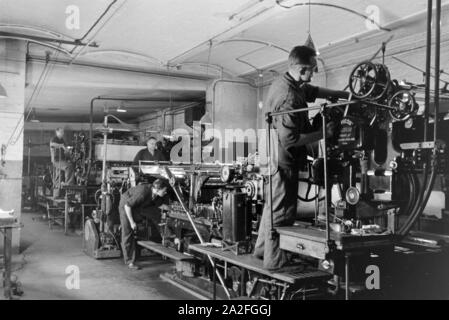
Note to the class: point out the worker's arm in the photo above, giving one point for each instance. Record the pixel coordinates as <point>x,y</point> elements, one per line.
<point>288,130</point>
<point>129,215</point>
<point>56,145</point>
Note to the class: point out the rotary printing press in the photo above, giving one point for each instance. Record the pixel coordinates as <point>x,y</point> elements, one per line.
<point>372,181</point>
<point>376,176</point>
<point>224,201</point>
<point>214,215</point>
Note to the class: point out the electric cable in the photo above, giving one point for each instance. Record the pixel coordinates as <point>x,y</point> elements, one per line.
<point>361,15</point>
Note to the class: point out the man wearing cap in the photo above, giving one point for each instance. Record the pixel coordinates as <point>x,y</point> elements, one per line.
<point>293,132</point>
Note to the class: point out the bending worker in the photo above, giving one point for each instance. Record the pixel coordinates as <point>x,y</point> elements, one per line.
<point>148,197</point>
<point>294,132</point>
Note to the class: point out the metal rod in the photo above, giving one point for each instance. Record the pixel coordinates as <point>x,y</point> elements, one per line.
<point>347,261</point>
<point>270,178</point>
<point>326,179</point>
<point>428,65</point>
<point>95,24</point>
<point>331,105</point>
<point>4,34</point>
<point>7,244</point>
<point>198,234</point>
<point>437,65</point>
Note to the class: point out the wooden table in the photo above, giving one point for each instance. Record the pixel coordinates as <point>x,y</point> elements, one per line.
<point>7,255</point>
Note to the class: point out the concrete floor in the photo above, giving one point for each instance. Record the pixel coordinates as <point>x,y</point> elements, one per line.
<point>45,255</point>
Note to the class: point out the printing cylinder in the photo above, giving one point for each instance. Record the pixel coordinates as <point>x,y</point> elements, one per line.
<point>236,217</point>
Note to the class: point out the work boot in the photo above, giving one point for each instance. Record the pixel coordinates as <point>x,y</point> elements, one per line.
<point>133,266</point>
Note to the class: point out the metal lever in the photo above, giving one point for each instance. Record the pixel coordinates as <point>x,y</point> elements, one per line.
<point>172,181</point>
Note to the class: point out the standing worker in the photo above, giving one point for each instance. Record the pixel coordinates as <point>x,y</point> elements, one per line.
<point>290,91</point>
<point>150,153</point>
<point>59,159</point>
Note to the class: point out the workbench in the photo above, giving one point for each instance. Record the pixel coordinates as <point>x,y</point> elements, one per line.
<point>292,276</point>
<point>311,241</point>
<point>6,230</point>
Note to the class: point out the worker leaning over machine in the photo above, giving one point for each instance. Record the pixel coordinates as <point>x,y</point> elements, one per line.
<point>143,197</point>
<point>60,161</point>
<point>150,153</point>
<point>289,92</point>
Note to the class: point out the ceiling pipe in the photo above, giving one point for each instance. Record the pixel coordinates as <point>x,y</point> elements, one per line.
<point>20,36</point>
<point>92,39</point>
<point>266,43</point>
<point>334,6</point>
<point>36,29</point>
<point>151,59</point>
<point>95,24</point>
<point>114,68</point>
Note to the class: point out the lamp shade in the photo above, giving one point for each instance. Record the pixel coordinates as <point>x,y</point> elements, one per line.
<point>3,93</point>
<point>206,119</point>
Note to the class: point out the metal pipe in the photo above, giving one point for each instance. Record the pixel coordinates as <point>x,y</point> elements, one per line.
<point>327,195</point>
<point>437,68</point>
<point>4,34</point>
<point>94,24</point>
<point>424,196</point>
<point>93,37</point>
<point>114,68</point>
<point>34,29</point>
<point>269,119</point>
<point>40,43</point>
<point>428,65</point>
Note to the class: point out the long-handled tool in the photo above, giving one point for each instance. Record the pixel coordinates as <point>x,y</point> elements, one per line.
<point>172,181</point>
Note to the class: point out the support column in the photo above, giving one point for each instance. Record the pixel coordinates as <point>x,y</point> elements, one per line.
<point>12,79</point>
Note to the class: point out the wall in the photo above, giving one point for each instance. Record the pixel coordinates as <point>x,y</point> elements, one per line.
<point>12,78</point>
<point>232,105</point>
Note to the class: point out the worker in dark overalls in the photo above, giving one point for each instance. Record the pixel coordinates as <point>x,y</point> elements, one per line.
<point>133,203</point>
<point>293,133</point>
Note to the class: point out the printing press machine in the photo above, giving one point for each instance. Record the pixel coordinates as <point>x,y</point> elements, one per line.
<point>372,180</point>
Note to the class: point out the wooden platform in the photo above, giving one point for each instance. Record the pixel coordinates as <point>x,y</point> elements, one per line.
<point>162,250</point>
<point>294,275</point>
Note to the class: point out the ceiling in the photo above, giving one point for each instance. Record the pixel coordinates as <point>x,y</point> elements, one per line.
<point>168,50</point>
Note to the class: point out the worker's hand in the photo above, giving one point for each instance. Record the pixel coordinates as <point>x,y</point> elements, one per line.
<point>330,129</point>
<point>164,207</point>
<point>133,225</point>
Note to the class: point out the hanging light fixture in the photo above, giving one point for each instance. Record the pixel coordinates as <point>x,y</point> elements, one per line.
<point>206,119</point>
<point>121,108</point>
<point>3,93</point>
<point>309,42</point>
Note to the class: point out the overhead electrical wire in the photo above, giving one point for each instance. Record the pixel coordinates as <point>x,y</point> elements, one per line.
<point>361,15</point>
